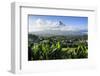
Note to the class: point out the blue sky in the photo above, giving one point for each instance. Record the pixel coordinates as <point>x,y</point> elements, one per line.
<point>40,22</point>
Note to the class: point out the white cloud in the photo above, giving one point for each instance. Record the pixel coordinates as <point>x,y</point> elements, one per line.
<point>43,25</point>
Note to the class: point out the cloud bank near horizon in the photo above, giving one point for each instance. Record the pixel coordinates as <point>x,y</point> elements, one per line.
<point>44,25</point>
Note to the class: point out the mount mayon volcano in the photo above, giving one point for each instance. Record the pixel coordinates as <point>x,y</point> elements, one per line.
<point>61,29</point>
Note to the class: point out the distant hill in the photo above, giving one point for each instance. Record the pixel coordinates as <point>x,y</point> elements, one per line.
<point>62,33</point>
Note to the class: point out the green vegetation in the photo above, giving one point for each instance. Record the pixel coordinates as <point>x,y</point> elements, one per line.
<point>57,47</point>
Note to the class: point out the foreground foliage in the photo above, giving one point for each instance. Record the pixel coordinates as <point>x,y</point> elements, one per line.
<point>54,48</point>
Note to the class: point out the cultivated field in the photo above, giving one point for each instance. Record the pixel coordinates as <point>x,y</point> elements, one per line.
<point>57,47</point>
